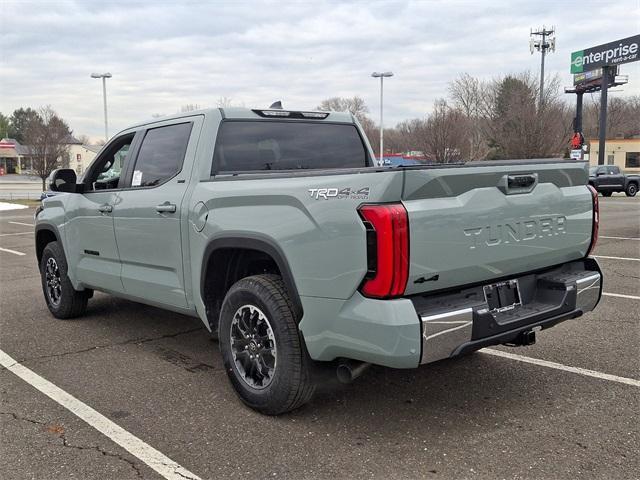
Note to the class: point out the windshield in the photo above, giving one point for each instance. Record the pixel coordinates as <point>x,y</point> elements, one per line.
<point>592,170</point>
<point>274,145</point>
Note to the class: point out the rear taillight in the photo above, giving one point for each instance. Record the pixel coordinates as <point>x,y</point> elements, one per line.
<point>387,250</point>
<point>596,219</point>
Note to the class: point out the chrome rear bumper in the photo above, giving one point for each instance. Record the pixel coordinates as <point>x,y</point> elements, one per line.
<point>443,332</point>
<point>452,322</point>
<point>588,294</point>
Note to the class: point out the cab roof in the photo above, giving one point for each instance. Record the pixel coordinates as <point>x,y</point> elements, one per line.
<point>257,114</point>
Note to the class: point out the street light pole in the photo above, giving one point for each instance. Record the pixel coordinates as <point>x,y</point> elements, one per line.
<point>104,77</point>
<point>381,75</point>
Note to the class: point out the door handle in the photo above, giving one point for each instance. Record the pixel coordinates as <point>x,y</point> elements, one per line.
<point>166,207</point>
<point>105,208</point>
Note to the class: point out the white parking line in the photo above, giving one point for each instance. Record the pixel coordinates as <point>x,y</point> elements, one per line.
<point>11,251</point>
<point>12,234</point>
<point>21,223</point>
<point>132,444</point>
<point>618,258</point>
<point>620,238</point>
<point>626,204</point>
<point>620,295</point>
<point>558,366</point>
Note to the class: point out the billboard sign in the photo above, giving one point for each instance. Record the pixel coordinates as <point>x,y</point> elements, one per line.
<point>591,76</point>
<point>612,53</point>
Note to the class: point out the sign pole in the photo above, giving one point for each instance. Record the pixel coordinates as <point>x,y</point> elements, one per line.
<point>578,126</point>
<point>603,115</point>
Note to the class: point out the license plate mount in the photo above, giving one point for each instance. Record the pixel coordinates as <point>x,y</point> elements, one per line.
<point>502,296</point>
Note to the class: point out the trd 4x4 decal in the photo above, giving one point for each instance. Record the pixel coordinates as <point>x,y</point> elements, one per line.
<point>348,192</point>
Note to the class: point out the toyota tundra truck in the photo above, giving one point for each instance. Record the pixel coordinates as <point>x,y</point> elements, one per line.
<point>279,230</point>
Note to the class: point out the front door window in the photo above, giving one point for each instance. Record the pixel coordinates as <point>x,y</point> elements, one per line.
<point>105,174</point>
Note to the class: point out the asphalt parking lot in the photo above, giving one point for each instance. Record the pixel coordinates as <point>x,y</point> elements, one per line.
<point>157,376</point>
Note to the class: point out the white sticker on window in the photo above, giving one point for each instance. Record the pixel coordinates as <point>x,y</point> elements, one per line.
<point>137,178</point>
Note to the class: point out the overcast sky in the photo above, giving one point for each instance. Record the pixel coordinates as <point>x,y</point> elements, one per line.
<point>164,54</point>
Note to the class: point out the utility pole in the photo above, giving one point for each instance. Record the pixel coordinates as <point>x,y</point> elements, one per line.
<point>546,42</point>
<point>104,77</point>
<point>381,75</point>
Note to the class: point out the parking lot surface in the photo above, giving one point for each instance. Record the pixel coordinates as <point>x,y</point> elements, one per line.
<point>156,375</point>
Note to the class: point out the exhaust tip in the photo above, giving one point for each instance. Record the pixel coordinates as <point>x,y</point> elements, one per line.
<point>344,374</point>
<point>348,371</point>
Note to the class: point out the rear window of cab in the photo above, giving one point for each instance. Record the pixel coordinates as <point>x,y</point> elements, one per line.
<point>257,146</point>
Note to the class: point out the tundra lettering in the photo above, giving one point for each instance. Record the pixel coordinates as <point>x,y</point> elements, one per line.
<point>493,235</point>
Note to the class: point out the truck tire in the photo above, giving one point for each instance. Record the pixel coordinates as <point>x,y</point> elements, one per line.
<point>261,347</point>
<point>62,299</point>
<point>632,189</point>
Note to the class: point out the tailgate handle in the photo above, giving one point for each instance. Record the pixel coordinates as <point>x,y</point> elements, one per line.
<point>520,181</point>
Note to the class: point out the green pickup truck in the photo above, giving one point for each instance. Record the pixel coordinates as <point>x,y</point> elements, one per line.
<point>281,233</point>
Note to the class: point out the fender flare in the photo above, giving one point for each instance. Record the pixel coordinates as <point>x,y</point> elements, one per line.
<point>44,226</point>
<point>262,244</point>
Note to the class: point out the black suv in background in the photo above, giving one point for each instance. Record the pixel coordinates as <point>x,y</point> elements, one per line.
<point>607,179</point>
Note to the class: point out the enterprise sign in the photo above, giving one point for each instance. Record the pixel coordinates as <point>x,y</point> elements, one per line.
<point>614,53</point>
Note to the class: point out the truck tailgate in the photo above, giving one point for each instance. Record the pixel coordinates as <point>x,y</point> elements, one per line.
<point>483,222</point>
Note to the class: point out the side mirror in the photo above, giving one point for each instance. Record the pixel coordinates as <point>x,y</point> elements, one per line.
<point>599,174</point>
<point>63,180</point>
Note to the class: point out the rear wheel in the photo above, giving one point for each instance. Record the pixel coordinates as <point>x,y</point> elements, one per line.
<point>62,299</point>
<point>261,347</point>
<point>606,194</point>
<point>632,189</point>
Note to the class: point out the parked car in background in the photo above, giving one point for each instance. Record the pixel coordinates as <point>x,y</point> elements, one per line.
<point>607,179</point>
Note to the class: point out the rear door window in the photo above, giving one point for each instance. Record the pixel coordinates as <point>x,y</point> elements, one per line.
<point>244,146</point>
<point>161,155</point>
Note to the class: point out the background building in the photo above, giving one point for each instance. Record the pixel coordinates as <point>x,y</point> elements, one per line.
<point>623,152</point>
<point>81,156</point>
<point>16,158</point>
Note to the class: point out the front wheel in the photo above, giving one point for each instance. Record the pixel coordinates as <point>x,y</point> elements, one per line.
<point>62,299</point>
<point>632,189</point>
<point>261,348</point>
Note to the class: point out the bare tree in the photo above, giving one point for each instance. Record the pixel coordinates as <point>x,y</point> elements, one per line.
<point>355,105</point>
<point>407,136</point>
<point>84,139</point>
<point>622,116</point>
<point>224,102</point>
<point>469,95</point>
<point>46,137</point>
<point>444,133</point>
<point>189,107</point>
